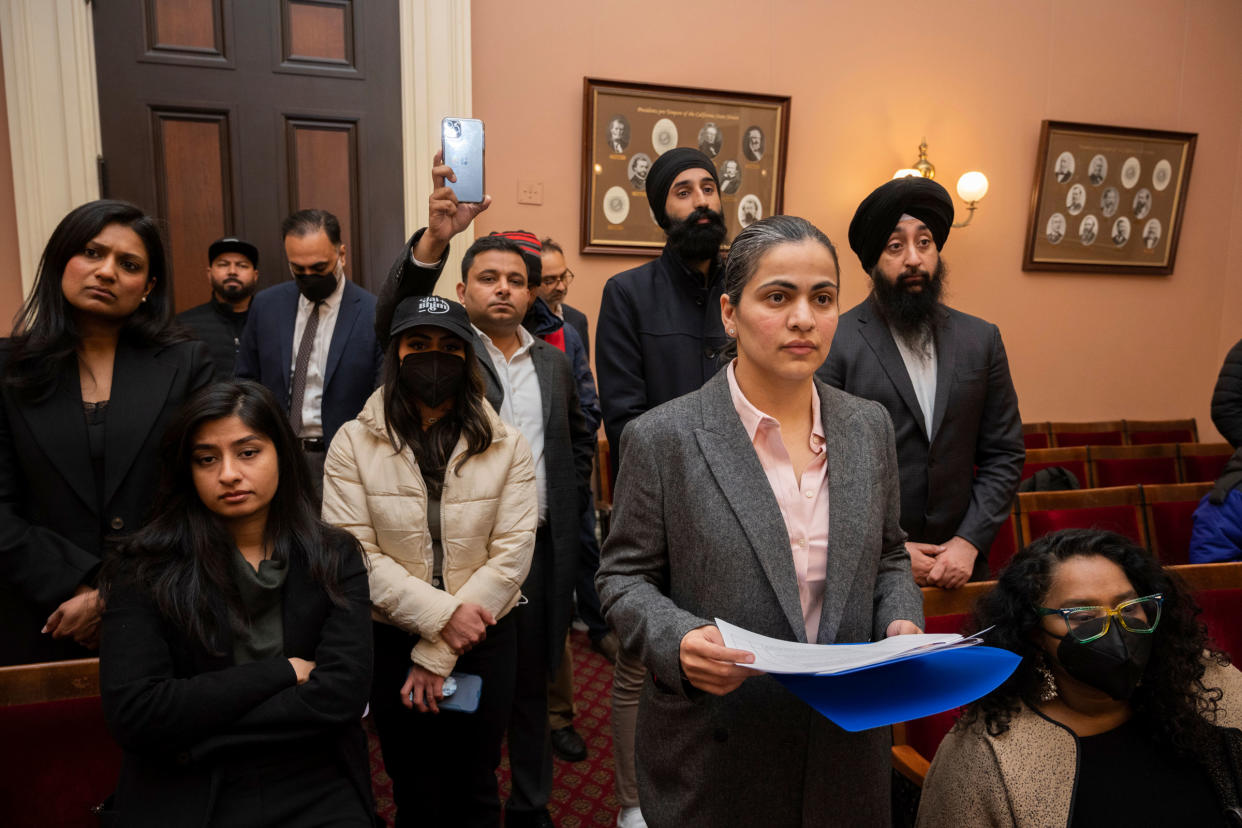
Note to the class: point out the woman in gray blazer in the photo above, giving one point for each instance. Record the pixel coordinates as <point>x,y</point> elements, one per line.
<point>770,500</point>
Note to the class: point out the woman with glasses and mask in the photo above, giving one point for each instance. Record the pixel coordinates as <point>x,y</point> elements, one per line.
<point>441,494</point>
<point>1121,711</point>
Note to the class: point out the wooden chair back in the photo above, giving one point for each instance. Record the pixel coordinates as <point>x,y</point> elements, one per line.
<point>1169,511</point>
<point>1203,461</point>
<point>1117,509</point>
<point>1099,433</point>
<point>1146,432</point>
<point>1134,465</point>
<point>1074,459</point>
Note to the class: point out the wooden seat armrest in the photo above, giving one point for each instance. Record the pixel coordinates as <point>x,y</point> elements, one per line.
<point>910,763</point>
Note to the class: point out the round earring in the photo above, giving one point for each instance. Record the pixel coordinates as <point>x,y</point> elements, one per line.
<point>144,298</point>
<point>732,332</point>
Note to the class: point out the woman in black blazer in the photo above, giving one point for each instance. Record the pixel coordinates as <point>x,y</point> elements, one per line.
<point>236,650</point>
<point>88,380</point>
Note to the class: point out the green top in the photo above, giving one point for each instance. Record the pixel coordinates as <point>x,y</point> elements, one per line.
<point>262,596</point>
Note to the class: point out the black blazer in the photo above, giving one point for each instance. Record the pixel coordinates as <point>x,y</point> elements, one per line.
<point>962,481</point>
<point>568,447</point>
<point>354,357</point>
<point>577,320</point>
<point>179,712</point>
<point>53,524</point>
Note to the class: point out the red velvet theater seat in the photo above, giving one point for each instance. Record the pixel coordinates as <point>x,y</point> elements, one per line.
<point>1102,433</point>
<point>1036,435</point>
<point>1147,432</point>
<point>1203,461</point>
<point>57,759</point>
<point>1132,465</point>
<point>1117,509</point>
<point>1170,519</point>
<point>1218,590</point>
<point>1073,459</point>
<point>1004,546</point>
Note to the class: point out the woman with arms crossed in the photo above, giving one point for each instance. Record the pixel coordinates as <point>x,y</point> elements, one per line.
<point>89,379</point>
<point>771,501</point>
<point>236,656</point>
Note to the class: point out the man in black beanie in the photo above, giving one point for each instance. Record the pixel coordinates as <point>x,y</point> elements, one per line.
<point>659,336</point>
<point>942,375</point>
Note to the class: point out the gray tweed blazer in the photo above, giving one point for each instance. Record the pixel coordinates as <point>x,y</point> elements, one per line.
<point>696,534</point>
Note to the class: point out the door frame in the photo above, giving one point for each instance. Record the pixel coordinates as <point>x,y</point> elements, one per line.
<point>53,107</point>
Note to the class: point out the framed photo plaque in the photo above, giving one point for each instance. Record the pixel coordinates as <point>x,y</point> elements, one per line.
<point>1107,199</point>
<point>627,126</point>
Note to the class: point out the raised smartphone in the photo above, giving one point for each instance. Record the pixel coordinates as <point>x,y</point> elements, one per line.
<point>461,139</point>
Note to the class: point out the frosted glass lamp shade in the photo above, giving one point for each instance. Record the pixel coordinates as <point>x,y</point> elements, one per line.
<point>972,187</point>
<point>906,173</point>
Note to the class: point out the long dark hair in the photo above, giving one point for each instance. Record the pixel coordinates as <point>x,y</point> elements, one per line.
<point>1172,699</point>
<point>44,334</point>
<point>433,447</point>
<point>181,557</point>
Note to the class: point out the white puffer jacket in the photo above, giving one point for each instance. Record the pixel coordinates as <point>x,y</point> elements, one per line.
<point>489,514</point>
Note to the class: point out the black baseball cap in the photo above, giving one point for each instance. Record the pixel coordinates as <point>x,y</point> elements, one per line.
<point>232,244</point>
<point>431,310</point>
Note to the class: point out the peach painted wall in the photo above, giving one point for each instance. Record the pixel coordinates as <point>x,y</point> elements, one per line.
<point>10,276</point>
<point>868,81</point>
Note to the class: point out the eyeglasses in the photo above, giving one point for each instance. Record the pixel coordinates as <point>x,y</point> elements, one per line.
<point>1085,624</point>
<point>567,278</point>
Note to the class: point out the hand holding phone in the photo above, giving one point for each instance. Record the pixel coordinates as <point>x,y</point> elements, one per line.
<point>461,141</point>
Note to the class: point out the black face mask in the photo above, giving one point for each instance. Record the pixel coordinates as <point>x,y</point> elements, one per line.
<point>317,287</point>
<point>1113,663</point>
<point>433,376</point>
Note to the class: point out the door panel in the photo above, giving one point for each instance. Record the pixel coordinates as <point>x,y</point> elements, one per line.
<point>223,116</point>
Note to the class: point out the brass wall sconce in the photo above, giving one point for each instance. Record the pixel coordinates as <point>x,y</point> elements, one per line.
<point>971,187</point>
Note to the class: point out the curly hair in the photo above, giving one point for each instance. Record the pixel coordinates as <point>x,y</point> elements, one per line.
<point>1171,699</point>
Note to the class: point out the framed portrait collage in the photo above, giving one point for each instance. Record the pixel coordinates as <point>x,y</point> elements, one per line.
<point>627,126</point>
<point>1107,199</point>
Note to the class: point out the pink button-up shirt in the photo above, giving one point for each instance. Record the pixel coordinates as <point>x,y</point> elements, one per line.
<point>804,503</point>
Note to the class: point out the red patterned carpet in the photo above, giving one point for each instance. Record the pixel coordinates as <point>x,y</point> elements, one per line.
<point>582,791</point>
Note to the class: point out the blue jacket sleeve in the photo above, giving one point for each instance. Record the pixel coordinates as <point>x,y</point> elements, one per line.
<point>1217,532</point>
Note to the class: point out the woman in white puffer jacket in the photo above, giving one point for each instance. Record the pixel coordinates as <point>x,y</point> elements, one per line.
<point>441,495</point>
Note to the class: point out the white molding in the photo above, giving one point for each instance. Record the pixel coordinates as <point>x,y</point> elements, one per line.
<point>435,82</point>
<point>53,116</point>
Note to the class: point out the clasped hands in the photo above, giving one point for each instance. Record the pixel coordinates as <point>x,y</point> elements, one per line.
<point>948,565</point>
<point>466,628</point>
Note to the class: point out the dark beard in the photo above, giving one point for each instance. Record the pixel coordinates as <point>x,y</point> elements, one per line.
<point>909,315</point>
<point>695,242</point>
<point>234,292</point>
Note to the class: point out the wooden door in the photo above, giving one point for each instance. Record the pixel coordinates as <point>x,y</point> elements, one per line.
<point>224,116</point>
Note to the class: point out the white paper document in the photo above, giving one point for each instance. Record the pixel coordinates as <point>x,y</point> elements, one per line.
<point>773,655</point>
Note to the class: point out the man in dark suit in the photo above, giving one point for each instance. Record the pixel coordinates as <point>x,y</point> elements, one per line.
<point>942,375</point>
<point>530,384</point>
<point>554,285</point>
<point>311,341</point>
<point>233,272</point>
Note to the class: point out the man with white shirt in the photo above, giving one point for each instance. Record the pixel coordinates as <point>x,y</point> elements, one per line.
<point>530,384</point>
<point>942,375</point>
<point>311,340</point>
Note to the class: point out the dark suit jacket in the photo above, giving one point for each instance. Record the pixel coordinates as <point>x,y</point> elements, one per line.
<point>962,481</point>
<point>181,713</point>
<point>577,320</point>
<point>568,446</point>
<point>53,522</point>
<point>697,534</point>
<point>354,357</point>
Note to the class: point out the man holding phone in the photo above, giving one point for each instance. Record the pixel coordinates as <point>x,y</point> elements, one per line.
<point>530,384</point>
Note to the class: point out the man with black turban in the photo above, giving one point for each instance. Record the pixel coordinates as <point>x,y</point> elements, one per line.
<point>659,336</point>
<point>942,375</point>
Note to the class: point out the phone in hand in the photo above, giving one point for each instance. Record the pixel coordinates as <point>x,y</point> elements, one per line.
<point>461,140</point>
<point>461,692</point>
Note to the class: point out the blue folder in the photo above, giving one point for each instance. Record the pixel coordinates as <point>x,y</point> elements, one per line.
<point>908,688</point>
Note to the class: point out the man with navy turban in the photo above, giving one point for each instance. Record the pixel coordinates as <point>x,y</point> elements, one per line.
<point>942,375</point>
